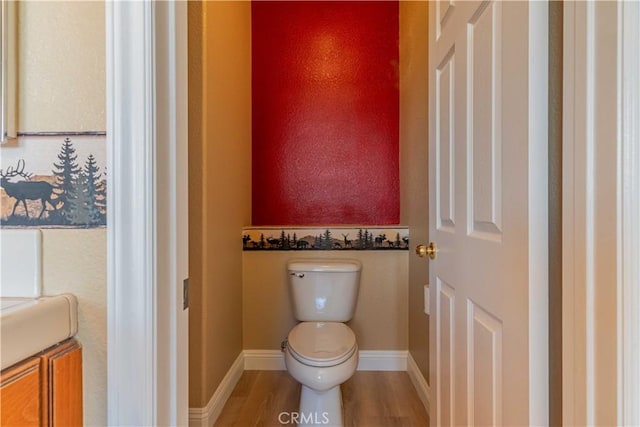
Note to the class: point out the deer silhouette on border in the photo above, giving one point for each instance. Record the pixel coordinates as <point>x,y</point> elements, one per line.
<point>25,190</point>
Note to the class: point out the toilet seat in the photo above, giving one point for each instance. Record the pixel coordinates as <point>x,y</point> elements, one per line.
<point>321,344</point>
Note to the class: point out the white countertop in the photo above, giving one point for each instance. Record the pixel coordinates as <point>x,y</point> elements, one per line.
<point>30,325</point>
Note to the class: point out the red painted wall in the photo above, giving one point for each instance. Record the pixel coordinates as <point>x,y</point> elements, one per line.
<point>325,107</point>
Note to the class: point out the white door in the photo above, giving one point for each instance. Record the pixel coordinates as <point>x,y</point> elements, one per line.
<point>488,212</point>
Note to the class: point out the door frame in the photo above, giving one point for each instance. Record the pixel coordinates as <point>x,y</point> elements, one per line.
<point>587,36</point>
<point>147,248</point>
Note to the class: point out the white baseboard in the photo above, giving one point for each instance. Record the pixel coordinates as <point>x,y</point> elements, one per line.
<point>422,388</point>
<point>207,416</point>
<point>382,360</point>
<point>273,360</point>
<point>264,360</point>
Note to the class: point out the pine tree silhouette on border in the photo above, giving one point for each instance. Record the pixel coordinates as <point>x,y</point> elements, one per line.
<point>79,212</point>
<point>326,239</point>
<point>66,177</point>
<point>101,198</point>
<point>95,193</point>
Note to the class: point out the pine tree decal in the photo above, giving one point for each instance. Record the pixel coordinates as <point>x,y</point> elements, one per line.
<point>283,240</point>
<point>101,198</point>
<point>397,243</point>
<point>95,193</point>
<point>361,239</point>
<point>66,176</point>
<point>79,202</point>
<point>327,239</point>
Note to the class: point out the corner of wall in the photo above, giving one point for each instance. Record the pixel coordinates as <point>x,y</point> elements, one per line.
<point>414,129</point>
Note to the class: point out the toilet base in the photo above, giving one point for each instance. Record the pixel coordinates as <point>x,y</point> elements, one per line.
<point>320,408</point>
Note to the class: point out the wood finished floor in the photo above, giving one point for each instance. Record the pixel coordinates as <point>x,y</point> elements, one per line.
<point>370,399</point>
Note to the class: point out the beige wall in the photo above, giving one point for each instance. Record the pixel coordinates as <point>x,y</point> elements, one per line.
<point>75,261</point>
<point>414,209</point>
<point>61,61</point>
<point>219,186</point>
<point>380,320</point>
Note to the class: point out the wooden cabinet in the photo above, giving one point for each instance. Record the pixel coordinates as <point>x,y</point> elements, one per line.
<point>20,394</point>
<point>44,390</point>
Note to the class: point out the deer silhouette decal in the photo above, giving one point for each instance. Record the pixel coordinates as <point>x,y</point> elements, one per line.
<point>26,189</point>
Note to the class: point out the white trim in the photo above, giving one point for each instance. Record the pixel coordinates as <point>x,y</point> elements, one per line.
<point>171,198</point>
<point>577,222</point>
<point>538,219</point>
<point>131,298</point>
<point>419,382</point>
<point>207,416</point>
<point>146,256</point>
<point>601,214</point>
<point>629,232</point>
<point>8,72</point>
<point>264,360</point>
<point>383,360</point>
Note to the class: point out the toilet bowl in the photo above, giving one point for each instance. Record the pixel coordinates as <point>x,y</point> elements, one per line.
<point>321,352</point>
<point>321,356</point>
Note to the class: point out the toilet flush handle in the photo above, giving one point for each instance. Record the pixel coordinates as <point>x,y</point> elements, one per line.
<point>300,275</point>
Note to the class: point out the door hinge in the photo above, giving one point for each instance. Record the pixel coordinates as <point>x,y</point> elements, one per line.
<point>185,293</point>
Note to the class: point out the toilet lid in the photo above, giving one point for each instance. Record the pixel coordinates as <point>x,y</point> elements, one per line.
<point>322,343</point>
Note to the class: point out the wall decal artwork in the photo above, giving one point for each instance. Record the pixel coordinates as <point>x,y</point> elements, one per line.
<point>326,239</point>
<point>72,193</point>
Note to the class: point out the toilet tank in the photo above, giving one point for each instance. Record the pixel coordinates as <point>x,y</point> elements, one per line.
<point>324,290</point>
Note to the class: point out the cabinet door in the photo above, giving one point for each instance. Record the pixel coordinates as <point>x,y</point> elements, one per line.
<point>20,398</point>
<point>65,385</point>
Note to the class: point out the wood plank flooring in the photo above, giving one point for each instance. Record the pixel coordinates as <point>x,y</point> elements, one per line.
<point>370,399</point>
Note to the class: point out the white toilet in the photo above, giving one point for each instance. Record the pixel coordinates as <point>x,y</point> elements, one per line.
<point>321,352</point>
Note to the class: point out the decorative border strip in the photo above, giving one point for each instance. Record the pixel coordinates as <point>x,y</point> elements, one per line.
<point>323,238</point>
<point>53,182</point>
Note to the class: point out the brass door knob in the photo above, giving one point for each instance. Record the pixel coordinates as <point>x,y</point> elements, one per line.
<point>430,251</point>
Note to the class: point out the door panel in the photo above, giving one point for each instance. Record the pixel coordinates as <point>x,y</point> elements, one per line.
<point>444,9</point>
<point>445,90</point>
<point>488,173</point>
<point>484,359</point>
<point>445,353</point>
<point>484,142</point>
